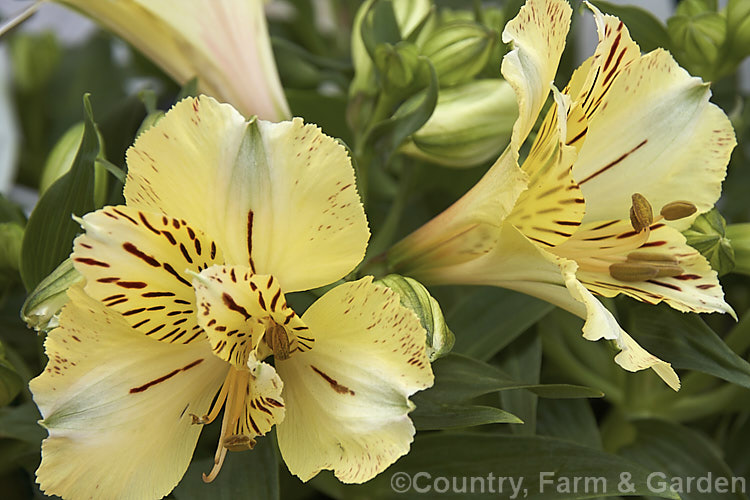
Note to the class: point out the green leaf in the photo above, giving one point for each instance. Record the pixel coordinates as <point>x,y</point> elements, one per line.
<point>431,415</point>
<point>488,457</point>
<point>245,475</point>
<point>11,382</point>
<point>459,378</point>
<point>51,229</point>
<point>645,29</point>
<point>20,422</point>
<point>687,342</point>
<point>676,453</point>
<point>523,361</point>
<point>570,419</point>
<point>490,318</point>
<point>190,89</point>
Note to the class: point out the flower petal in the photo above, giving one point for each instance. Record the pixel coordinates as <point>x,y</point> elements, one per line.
<point>117,405</point>
<point>236,307</point>
<point>518,264</point>
<point>538,35</point>
<point>347,399</point>
<point>657,134</point>
<point>136,263</point>
<point>591,82</point>
<point>223,42</point>
<point>279,197</point>
<point>551,209</point>
<point>600,324</point>
<point>697,289</point>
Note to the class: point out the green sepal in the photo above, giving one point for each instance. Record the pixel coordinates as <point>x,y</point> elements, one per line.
<point>42,307</point>
<point>414,296</point>
<point>708,236</point>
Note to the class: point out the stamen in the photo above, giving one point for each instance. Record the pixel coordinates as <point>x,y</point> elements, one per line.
<point>641,213</point>
<point>678,210</point>
<point>669,271</point>
<point>218,462</point>
<point>238,442</point>
<point>279,341</point>
<point>631,271</point>
<point>651,256</point>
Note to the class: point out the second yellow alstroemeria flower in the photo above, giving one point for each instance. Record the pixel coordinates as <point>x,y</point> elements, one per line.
<point>630,131</point>
<point>184,299</point>
<point>224,43</point>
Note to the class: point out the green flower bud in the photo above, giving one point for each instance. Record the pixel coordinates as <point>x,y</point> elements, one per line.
<point>459,50</point>
<point>471,125</point>
<point>698,38</point>
<point>42,307</point>
<point>738,29</point>
<point>398,65</point>
<point>739,237</point>
<point>63,155</point>
<point>416,297</point>
<point>708,236</point>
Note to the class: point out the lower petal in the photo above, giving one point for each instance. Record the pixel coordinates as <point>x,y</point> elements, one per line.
<point>118,405</point>
<point>347,399</point>
<point>601,324</point>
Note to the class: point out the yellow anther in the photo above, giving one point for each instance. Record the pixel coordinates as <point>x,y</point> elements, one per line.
<point>678,210</point>
<point>238,442</point>
<point>631,271</point>
<point>669,270</point>
<point>278,340</point>
<point>651,257</point>
<point>641,213</point>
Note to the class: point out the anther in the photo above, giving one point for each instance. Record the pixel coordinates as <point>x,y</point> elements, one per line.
<point>632,271</point>
<point>651,257</point>
<point>238,442</point>
<point>678,210</point>
<point>641,213</point>
<point>279,341</point>
<point>199,420</point>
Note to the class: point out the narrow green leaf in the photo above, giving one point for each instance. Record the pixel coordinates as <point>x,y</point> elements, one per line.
<point>245,475</point>
<point>483,459</point>
<point>675,453</point>
<point>523,361</point>
<point>490,318</point>
<point>51,229</point>
<point>430,415</point>
<point>570,419</point>
<point>645,29</point>
<point>460,378</point>
<point>687,342</point>
<point>11,382</point>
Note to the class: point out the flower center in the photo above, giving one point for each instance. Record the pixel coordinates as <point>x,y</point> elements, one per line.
<point>246,319</point>
<point>621,249</point>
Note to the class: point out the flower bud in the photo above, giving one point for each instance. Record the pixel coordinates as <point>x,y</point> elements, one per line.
<point>738,29</point>
<point>459,51</point>
<point>415,296</point>
<point>471,124</point>
<point>698,40</point>
<point>42,307</point>
<point>708,236</point>
<point>397,65</point>
<point>739,237</point>
<point>61,159</point>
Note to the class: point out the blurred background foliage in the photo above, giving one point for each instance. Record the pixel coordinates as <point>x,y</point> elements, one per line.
<point>414,90</point>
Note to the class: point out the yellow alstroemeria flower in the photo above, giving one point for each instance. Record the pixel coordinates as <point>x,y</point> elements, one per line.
<point>224,43</point>
<point>630,131</point>
<point>184,298</point>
